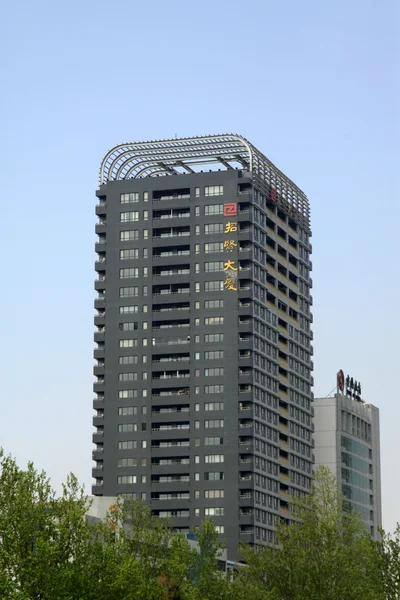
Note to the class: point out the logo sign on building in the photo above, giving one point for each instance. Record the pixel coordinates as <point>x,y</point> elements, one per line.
<point>230,209</point>
<point>340,381</point>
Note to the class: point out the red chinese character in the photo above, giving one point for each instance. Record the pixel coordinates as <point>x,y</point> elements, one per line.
<point>230,210</point>
<point>272,194</point>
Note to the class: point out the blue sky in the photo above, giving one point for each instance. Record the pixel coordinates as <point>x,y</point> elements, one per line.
<point>314,85</point>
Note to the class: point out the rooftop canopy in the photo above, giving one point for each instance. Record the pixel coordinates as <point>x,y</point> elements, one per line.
<point>191,155</point>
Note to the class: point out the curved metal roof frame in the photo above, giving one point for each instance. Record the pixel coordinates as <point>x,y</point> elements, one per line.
<point>165,157</point>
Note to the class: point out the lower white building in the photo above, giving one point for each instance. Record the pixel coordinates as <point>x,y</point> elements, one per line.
<point>347,441</point>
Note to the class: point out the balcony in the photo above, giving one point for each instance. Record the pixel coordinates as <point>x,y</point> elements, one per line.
<point>182,323</point>
<point>171,271</point>
<point>98,403</point>
<point>176,443</point>
<point>101,208</point>
<point>181,391</point>
<point>171,290</point>
<point>98,453</point>
<point>97,472</point>
<point>171,375</point>
<point>171,251</point>
<point>183,426</point>
<point>168,496</point>
<point>171,308</point>
<point>98,420</point>
<point>174,213</point>
<point>170,341</point>
<point>171,233</point>
<point>98,437</point>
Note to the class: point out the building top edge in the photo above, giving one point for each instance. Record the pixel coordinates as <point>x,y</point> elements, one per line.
<point>176,156</point>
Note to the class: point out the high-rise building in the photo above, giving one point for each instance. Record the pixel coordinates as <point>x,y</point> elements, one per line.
<point>347,441</point>
<point>204,372</point>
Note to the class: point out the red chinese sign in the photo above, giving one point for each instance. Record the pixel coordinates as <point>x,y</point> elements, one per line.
<point>230,210</point>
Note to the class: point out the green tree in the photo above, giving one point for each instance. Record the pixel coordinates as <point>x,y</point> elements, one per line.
<point>389,553</point>
<point>325,552</point>
<point>42,538</point>
<point>49,551</point>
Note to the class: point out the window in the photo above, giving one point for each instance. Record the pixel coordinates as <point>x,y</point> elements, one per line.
<point>197,192</point>
<point>145,215</point>
<point>213,320</point>
<point>216,511</point>
<point>127,394</point>
<point>128,198</point>
<point>127,462</point>
<point>213,304</point>
<point>145,234</point>
<point>219,529</point>
<point>214,372</point>
<point>213,267</point>
<point>126,310</point>
<point>126,217</point>
<point>145,252</point>
<point>213,441</point>
<point>127,360</point>
<point>128,292</point>
<point>128,343</point>
<point>124,411</point>
<point>129,273</point>
<point>126,479</point>
<point>214,354</point>
<point>146,196</point>
<point>212,493</point>
<point>130,254</point>
<point>213,228</point>
<point>213,190</point>
<point>213,337</point>
<point>214,476</point>
<point>214,458</point>
<point>127,427</point>
<point>213,247</point>
<point>127,376</point>
<point>214,406</point>
<point>127,445</point>
<point>213,389</point>
<point>131,326</point>
<point>214,209</point>
<point>213,423</point>
<point>213,286</point>
<point>129,236</point>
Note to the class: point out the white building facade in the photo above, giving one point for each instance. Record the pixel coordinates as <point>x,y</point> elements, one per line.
<point>347,441</point>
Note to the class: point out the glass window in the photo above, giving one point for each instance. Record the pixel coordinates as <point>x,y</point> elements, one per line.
<point>129,254</point>
<point>213,228</point>
<point>213,320</point>
<point>213,247</point>
<point>125,479</point>
<point>128,236</point>
<point>130,273</point>
<point>129,198</point>
<point>213,190</point>
<point>214,286</point>
<point>126,292</point>
<point>214,209</point>
<point>126,217</point>
<point>213,267</point>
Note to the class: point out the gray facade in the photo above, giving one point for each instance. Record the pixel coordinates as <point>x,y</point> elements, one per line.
<point>203,361</point>
<point>347,441</point>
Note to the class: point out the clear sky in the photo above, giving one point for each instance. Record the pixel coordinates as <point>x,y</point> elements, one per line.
<point>312,84</point>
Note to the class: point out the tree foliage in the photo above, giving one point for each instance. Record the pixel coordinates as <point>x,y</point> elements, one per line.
<point>324,554</point>
<point>49,551</point>
<point>389,554</point>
